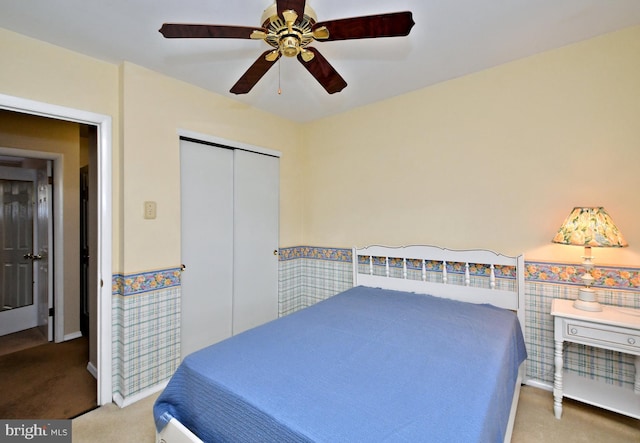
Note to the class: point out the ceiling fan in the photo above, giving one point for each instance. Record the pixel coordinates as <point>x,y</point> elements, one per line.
<point>289,26</point>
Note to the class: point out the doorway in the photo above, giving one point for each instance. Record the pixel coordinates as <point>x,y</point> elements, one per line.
<point>103,275</point>
<point>25,223</point>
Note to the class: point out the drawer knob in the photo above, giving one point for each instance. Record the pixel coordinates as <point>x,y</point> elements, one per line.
<point>573,331</point>
<point>631,341</point>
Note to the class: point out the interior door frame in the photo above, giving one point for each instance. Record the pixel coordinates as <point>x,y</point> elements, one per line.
<point>104,253</point>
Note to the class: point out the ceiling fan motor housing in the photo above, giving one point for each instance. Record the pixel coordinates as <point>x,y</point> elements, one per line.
<point>288,38</point>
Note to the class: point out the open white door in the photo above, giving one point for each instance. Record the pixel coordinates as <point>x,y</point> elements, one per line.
<point>18,305</point>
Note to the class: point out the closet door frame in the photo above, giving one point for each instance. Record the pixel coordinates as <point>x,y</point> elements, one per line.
<point>197,136</point>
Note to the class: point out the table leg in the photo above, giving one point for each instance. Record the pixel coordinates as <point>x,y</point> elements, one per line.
<point>557,379</point>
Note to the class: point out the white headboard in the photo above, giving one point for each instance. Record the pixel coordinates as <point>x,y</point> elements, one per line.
<point>475,276</point>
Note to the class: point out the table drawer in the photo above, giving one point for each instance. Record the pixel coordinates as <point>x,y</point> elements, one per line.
<point>607,337</point>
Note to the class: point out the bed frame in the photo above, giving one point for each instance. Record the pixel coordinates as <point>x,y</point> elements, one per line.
<point>441,272</point>
<point>488,277</point>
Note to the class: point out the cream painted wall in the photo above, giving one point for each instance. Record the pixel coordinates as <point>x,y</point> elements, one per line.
<point>20,131</point>
<point>155,107</point>
<point>494,160</point>
<point>39,71</point>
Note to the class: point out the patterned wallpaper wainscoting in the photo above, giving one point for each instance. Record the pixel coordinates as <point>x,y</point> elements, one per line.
<point>146,314</point>
<point>546,281</point>
<point>310,274</point>
<point>146,330</point>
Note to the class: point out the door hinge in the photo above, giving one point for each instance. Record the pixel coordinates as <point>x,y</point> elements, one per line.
<point>52,312</point>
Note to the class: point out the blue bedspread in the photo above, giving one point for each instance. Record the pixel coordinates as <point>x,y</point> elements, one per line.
<point>365,365</point>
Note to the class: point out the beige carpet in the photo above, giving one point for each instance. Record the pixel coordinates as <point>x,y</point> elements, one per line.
<point>109,423</point>
<point>534,423</point>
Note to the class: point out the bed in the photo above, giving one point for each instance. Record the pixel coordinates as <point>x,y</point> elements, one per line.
<point>428,345</point>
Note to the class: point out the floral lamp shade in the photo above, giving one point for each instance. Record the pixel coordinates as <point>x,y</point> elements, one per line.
<point>589,227</point>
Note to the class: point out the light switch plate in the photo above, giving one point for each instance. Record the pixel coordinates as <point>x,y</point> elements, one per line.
<point>150,210</point>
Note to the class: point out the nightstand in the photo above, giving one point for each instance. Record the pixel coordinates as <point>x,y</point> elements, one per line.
<point>614,328</point>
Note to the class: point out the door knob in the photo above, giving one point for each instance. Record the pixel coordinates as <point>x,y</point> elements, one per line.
<point>28,256</point>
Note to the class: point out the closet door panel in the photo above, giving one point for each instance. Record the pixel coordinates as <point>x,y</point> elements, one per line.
<point>206,244</point>
<point>256,230</point>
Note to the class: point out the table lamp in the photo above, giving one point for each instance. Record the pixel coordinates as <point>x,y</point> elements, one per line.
<point>589,227</point>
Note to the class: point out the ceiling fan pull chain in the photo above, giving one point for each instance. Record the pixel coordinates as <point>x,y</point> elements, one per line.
<point>279,88</point>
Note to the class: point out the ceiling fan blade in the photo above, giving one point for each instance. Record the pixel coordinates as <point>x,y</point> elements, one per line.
<point>255,72</point>
<point>181,30</point>
<point>395,24</point>
<point>320,68</point>
<point>296,5</point>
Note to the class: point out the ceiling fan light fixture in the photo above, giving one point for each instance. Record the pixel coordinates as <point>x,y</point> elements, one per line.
<point>290,46</point>
<point>288,32</point>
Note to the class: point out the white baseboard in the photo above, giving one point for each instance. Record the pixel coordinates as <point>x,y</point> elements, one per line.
<point>92,370</point>
<point>72,336</point>
<point>124,402</point>
<point>539,384</point>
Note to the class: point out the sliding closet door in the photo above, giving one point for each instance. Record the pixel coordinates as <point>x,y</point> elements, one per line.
<point>206,244</point>
<point>255,261</point>
<point>230,208</point>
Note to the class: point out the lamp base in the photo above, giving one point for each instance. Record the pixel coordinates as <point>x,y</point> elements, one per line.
<point>583,305</point>
<point>586,300</point>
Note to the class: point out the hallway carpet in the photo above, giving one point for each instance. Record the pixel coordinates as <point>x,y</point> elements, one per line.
<point>21,340</point>
<point>49,381</point>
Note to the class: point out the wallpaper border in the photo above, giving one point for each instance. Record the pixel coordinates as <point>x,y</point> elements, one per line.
<point>606,277</point>
<point>139,283</point>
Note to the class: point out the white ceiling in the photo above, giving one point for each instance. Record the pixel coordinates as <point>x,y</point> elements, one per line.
<point>451,38</point>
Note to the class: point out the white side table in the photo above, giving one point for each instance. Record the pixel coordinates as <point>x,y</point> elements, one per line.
<point>617,329</point>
